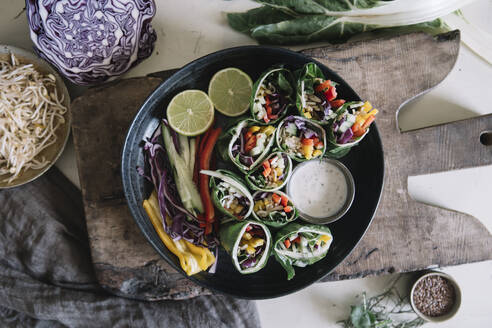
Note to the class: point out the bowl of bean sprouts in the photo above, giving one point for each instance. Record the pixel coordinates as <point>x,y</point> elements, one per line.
<point>34,116</point>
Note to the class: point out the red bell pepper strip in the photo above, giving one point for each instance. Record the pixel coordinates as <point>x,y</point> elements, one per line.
<point>337,103</point>
<point>205,156</point>
<point>250,144</point>
<point>307,142</point>
<point>331,93</point>
<point>287,243</point>
<point>323,86</point>
<point>276,198</point>
<point>284,200</point>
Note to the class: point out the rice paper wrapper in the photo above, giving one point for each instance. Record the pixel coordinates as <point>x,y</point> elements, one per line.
<point>282,78</point>
<point>226,145</point>
<point>252,177</point>
<point>306,124</point>
<point>334,149</point>
<point>230,234</point>
<point>213,183</point>
<point>288,262</point>
<point>305,78</point>
<point>270,220</point>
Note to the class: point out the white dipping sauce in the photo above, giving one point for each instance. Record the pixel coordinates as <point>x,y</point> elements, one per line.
<point>318,188</point>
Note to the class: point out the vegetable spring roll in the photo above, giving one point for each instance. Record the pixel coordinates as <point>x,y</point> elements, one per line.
<point>349,127</point>
<point>248,243</point>
<point>316,96</point>
<point>229,194</point>
<point>301,138</point>
<point>249,144</point>
<point>272,174</point>
<point>274,209</point>
<point>272,96</point>
<point>301,245</point>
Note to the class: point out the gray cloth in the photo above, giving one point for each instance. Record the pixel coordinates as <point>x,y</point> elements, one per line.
<point>47,279</point>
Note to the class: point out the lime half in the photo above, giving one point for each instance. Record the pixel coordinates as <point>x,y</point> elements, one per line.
<point>190,112</point>
<point>230,91</point>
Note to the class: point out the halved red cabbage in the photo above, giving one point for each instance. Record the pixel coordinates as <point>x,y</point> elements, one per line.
<point>91,41</point>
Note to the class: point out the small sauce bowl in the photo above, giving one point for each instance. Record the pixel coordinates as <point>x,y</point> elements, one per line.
<point>348,202</point>
<point>457,297</point>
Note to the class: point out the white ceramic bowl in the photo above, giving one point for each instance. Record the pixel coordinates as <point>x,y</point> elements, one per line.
<point>53,152</point>
<point>350,193</point>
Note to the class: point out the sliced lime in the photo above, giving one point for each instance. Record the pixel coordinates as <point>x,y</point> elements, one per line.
<point>190,112</point>
<point>230,91</point>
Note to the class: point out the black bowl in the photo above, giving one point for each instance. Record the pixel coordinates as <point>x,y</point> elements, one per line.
<point>364,161</point>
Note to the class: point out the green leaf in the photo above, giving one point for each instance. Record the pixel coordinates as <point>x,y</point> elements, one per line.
<point>284,84</point>
<point>244,22</point>
<point>359,317</point>
<point>294,7</point>
<point>308,29</point>
<point>345,5</point>
<point>288,230</point>
<point>287,22</point>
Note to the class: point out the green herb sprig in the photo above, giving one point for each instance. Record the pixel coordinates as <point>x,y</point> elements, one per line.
<point>387,310</point>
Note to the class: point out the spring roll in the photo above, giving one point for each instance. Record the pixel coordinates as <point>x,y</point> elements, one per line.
<point>301,245</point>
<point>248,243</point>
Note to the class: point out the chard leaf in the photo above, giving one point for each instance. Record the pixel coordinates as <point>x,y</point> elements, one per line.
<point>309,29</point>
<point>320,6</point>
<point>345,5</point>
<point>288,22</point>
<point>284,84</point>
<point>245,22</point>
<point>294,7</point>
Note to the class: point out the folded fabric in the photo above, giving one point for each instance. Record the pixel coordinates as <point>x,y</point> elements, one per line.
<point>47,279</point>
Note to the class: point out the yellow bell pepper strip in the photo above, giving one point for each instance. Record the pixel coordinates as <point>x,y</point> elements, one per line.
<point>192,258</point>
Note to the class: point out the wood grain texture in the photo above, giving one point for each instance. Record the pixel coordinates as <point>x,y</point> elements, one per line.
<point>404,236</point>
<point>124,262</point>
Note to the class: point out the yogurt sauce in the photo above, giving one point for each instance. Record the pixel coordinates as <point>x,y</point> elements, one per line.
<point>318,188</point>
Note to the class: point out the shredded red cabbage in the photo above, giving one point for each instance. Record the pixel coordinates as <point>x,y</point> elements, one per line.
<point>278,103</point>
<point>345,137</point>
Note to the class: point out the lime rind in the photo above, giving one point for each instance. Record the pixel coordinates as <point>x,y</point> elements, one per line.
<point>190,112</point>
<point>230,90</point>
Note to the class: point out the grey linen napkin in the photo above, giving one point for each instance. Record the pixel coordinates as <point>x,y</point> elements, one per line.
<point>47,279</point>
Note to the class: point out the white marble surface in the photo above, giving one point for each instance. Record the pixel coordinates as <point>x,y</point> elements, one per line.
<point>192,28</point>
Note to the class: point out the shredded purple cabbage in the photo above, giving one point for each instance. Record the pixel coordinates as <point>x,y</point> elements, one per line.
<point>278,103</point>
<point>246,160</point>
<point>345,137</point>
<point>300,124</point>
<point>90,42</point>
<point>308,133</point>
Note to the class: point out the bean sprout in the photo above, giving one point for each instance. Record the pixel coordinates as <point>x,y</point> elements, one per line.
<point>30,113</point>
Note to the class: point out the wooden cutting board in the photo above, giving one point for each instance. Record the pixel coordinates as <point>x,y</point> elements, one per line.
<point>404,236</point>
